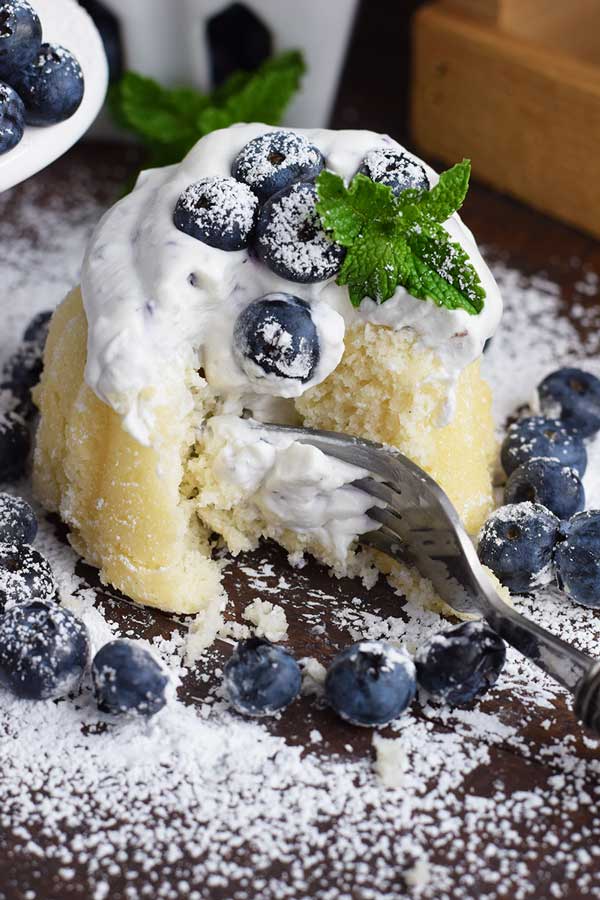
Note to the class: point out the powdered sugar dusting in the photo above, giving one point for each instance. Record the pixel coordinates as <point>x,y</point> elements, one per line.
<point>498,800</point>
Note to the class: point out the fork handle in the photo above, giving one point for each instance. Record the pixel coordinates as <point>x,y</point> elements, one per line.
<point>573,669</point>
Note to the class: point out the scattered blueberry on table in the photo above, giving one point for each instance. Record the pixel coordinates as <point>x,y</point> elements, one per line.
<point>44,650</point>
<point>370,683</point>
<point>275,335</point>
<point>460,664</point>
<point>40,83</point>
<point>517,543</point>
<point>573,396</point>
<point>538,436</point>
<point>25,575</point>
<point>548,482</point>
<point>15,444</point>
<point>128,679</point>
<point>261,678</point>
<point>18,521</point>
<point>220,212</point>
<point>275,160</point>
<point>577,558</point>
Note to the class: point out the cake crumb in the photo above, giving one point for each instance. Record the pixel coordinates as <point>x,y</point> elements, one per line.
<point>391,761</point>
<point>269,619</point>
<point>313,676</point>
<point>417,877</point>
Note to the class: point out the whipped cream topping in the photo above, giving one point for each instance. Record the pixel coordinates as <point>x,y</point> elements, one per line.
<point>159,302</point>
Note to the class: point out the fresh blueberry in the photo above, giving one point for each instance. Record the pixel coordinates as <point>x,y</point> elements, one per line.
<point>128,679</point>
<point>573,396</point>
<point>18,522</point>
<point>15,444</point>
<point>20,36</point>
<point>370,683</point>
<point>25,575</point>
<point>51,86</point>
<point>20,373</point>
<point>517,543</point>
<point>395,169</point>
<point>538,436</point>
<point>276,335</point>
<point>218,211</point>
<point>273,161</point>
<point>261,678</point>
<point>548,482</point>
<point>44,651</point>
<point>577,558</point>
<point>12,118</point>
<point>37,330</point>
<point>460,664</point>
<point>290,240</point>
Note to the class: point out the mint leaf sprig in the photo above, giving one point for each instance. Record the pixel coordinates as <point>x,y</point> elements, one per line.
<point>170,121</point>
<point>400,240</point>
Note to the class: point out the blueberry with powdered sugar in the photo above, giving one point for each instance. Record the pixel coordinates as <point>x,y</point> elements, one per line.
<point>20,36</point>
<point>12,118</point>
<point>537,436</point>
<point>273,161</point>
<point>220,212</point>
<point>44,651</point>
<point>276,335</point>
<point>577,558</point>
<point>25,575</point>
<point>15,444</point>
<point>460,664</point>
<point>370,683</point>
<point>546,481</point>
<point>37,330</point>
<point>51,86</point>
<point>128,679</point>
<point>261,678</point>
<point>395,169</point>
<point>18,522</point>
<point>573,396</point>
<point>290,239</point>
<point>517,543</point>
<point>20,373</point>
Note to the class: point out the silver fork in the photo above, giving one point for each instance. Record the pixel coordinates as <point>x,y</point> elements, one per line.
<point>419,526</point>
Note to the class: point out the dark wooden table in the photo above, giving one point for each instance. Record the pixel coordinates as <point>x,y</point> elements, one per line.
<point>532,244</point>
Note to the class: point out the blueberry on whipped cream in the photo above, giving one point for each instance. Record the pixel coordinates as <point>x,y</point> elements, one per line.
<point>219,212</point>
<point>395,169</point>
<point>290,239</point>
<point>273,161</point>
<point>276,335</point>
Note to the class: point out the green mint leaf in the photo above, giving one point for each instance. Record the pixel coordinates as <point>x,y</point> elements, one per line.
<point>395,241</point>
<point>449,193</point>
<point>170,121</point>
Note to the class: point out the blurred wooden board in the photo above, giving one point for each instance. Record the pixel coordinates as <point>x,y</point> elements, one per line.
<point>515,87</point>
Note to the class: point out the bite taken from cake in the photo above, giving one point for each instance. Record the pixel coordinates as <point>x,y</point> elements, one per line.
<point>263,280</point>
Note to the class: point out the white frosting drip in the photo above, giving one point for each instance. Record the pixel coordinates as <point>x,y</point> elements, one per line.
<point>159,301</point>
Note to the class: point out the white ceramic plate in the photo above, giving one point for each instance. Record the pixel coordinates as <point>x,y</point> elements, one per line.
<point>63,22</point>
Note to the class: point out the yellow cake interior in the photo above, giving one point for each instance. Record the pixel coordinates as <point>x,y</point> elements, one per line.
<point>147,516</point>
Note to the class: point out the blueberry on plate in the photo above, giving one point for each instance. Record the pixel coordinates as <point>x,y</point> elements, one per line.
<point>15,444</point>
<point>44,651</point>
<point>218,211</point>
<point>276,335</point>
<point>128,679</point>
<point>18,522</point>
<point>273,161</point>
<point>261,678</point>
<point>548,482</point>
<point>370,683</point>
<point>573,396</point>
<point>538,436</point>
<point>460,664</point>
<point>51,86</point>
<point>37,330</point>
<point>290,240</point>
<point>395,169</point>
<point>20,36</point>
<point>12,118</point>
<point>577,558</point>
<point>517,544</point>
<point>25,575</point>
